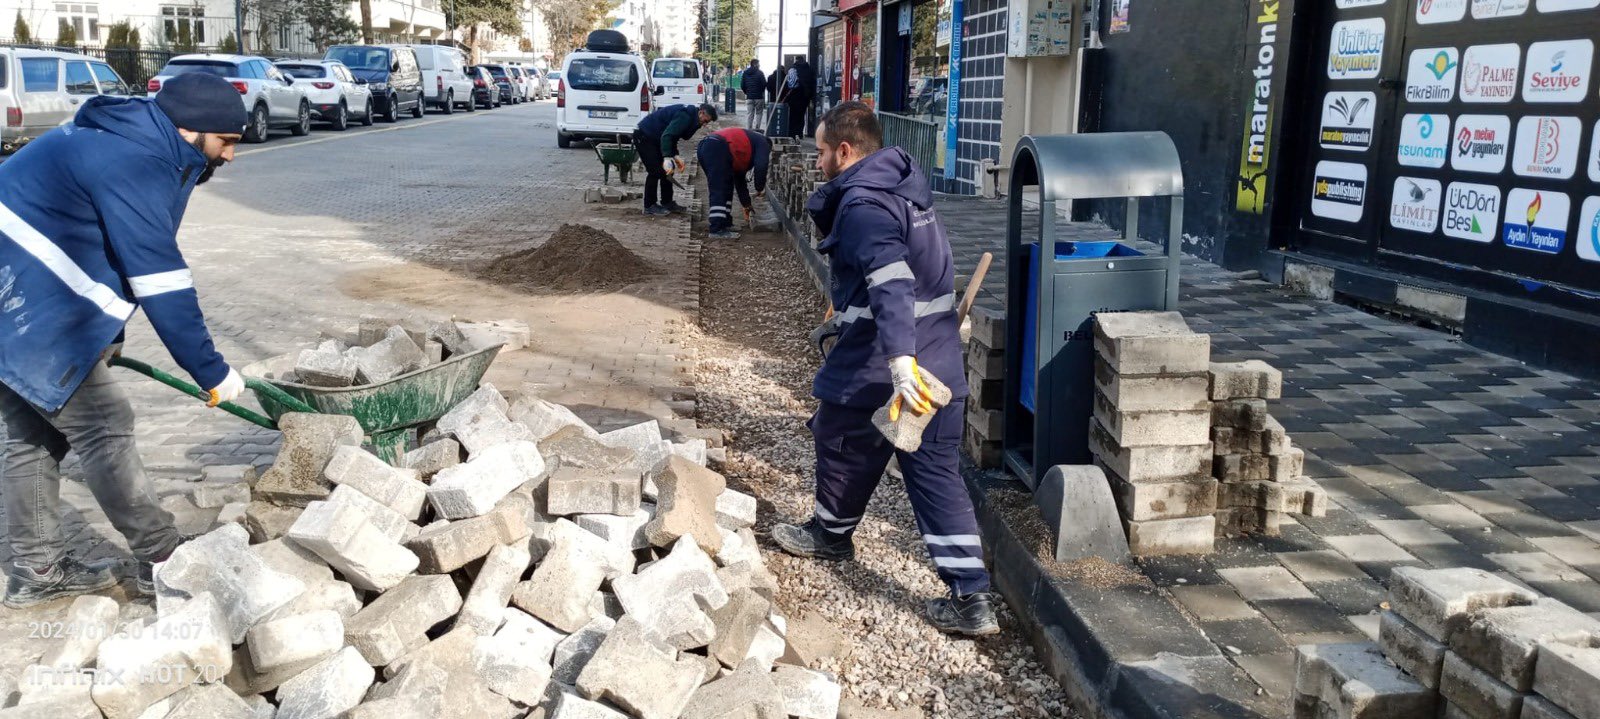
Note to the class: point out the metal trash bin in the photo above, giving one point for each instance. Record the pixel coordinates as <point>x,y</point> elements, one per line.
<point>1052,297</point>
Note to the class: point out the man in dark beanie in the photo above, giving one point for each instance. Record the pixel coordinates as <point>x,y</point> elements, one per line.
<point>89,217</point>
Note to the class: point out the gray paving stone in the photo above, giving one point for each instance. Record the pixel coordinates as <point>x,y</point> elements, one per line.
<point>1264,583</point>
<point>1213,602</point>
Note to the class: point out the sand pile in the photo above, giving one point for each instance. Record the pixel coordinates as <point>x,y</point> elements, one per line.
<point>576,258</point>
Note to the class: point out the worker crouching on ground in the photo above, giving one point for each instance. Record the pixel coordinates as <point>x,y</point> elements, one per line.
<point>656,140</point>
<point>893,287</point>
<point>89,217</point>
<point>727,156</point>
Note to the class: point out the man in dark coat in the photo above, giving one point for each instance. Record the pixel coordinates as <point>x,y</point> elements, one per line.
<point>800,84</point>
<point>656,140</point>
<point>754,84</point>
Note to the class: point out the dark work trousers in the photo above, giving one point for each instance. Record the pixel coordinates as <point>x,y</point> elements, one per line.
<point>655,181</point>
<point>851,457</point>
<point>797,115</point>
<point>716,161</point>
<point>97,423</point>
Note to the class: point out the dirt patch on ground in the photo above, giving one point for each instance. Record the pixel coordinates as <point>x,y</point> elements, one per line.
<point>576,258</point>
<point>1023,517</point>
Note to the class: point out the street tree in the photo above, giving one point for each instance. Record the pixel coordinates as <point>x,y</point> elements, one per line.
<point>504,16</point>
<point>569,21</point>
<point>328,22</point>
<point>366,22</point>
<point>714,32</point>
<point>66,34</point>
<point>20,31</point>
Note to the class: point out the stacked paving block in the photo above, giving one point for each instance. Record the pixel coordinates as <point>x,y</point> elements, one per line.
<point>1151,429</point>
<point>1261,472</point>
<point>986,363</point>
<point>1459,643</point>
<point>794,177</point>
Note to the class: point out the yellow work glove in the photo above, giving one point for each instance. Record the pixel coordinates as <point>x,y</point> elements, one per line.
<point>909,389</point>
<point>232,386</point>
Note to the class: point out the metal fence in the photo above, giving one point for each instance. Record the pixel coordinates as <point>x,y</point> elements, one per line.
<point>919,138</point>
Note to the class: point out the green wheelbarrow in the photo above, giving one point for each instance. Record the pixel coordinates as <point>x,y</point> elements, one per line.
<point>387,411</point>
<point>618,155</point>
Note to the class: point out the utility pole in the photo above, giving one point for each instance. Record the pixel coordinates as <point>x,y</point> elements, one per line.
<point>780,33</point>
<point>238,24</point>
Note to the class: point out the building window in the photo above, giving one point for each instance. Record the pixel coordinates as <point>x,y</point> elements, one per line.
<point>175,18</point>
<point>283,34</point>
<point>84,19</point>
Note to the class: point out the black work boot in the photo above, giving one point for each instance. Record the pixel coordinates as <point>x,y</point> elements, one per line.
<point>68,577</point>
<point>811,541</point>
<point>674,207</point>
<point>971,615</point>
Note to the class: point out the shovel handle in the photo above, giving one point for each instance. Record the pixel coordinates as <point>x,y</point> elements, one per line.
<point>258,386</point>
<point>973,285</point>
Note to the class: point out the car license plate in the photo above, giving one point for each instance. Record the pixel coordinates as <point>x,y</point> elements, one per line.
<point>603,114</point>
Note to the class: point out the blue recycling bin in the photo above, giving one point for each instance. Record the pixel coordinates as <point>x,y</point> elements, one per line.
<point>1054,296</point>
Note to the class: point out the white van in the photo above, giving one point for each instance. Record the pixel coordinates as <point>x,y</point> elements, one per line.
<point>603,94</point>
<point>678,81</point>
<point>40,89</point>
<point>445,82</point>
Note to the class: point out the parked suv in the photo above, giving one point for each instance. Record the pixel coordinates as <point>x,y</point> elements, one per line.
<point>510,89</point>
<point>484,90</point>
<point>391,73</point>
<point>444,77</point>
<point>336,96</point>
<point>678,81</point>
<point>271,98</point>
<point>41,89</point>
<point>603,92</point>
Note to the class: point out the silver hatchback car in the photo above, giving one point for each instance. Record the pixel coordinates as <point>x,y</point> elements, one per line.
<point>42,89</point>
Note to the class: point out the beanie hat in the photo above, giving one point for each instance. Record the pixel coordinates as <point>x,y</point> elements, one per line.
<point>201,102</point>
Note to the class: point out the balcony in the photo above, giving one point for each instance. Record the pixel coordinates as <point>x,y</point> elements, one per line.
<point>421,19</point>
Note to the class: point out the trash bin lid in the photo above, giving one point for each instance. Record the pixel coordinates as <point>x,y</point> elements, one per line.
<point>1098,165</point>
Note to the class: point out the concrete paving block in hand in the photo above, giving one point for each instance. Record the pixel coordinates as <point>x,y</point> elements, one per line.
<point>807,694</point>
<point>1150,343</point>
<point>578,490</point>
<point>671,596</point>
<point>90,620</point>
<point>220,563</point>
<point>491,590</point>
<point>637,671</point>
<point>736,623</point>
<point>296,639</point>
<point>747,693</point>
<point>687,506</point>
<point>506,669</point>
<point>572,706</point>
<point>396,354</point>
<point>1440,601</point>
<point>1475,692</point>
<point>327,689</point>
<point>573,652</point>
<point>344,537</point>
<point>433,457</point>
<point>544,418</point>
<point>472,489</point>
<point>399,621</point>
<point>905,430</point>
<point>398,489</point>
<point>1081,512</point>
<point>1411,649</point>
<point>622,532</point>
<point>309,441</point>
<point>735,510</point>
<point>1505,641</point>
<point>1568,676</point>
<point>447,546</point>
<point>1354,680</point>
<point>1250,379</point>
<point>138,668</point>
<point>325,369</point>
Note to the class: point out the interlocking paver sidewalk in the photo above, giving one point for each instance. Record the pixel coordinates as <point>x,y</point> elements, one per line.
<point>1435,454</point>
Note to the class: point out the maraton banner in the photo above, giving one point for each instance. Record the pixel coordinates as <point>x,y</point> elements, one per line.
<point>1265,56</point>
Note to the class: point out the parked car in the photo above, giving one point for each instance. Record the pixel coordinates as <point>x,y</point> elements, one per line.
<point>540,81</point>
<point>444,77</point>
<point>603,91</point>
<point>678,81</point>
<point>41,89</point>
<point>524,85</point>
<point>484,91</point>
<point>336,96</point>
<point>391,73</point>
<point>510,90</point>
<point>271,98</point>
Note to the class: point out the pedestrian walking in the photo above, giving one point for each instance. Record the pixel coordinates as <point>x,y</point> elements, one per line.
<point>893,287</point>
<point>800,84</point>
<point>727,157</point>
<point>89,215</point>
<point>754,84</point>
<point>656,140</point>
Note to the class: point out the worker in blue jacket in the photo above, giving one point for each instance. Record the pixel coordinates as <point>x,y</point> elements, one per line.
<point>89,216</point>
<point>656,140</point>
<point>893,292</point>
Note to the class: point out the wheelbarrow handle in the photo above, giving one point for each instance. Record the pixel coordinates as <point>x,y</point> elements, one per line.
<point>260,387</point>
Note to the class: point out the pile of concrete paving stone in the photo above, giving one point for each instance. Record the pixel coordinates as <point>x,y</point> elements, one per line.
<point>1458,643</point>
<point>384,350</point>
<point>1188,444</point>
<point>794,177</point>
<point>519,563</point>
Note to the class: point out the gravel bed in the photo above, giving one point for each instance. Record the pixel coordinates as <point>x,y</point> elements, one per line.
<point>753,379</point>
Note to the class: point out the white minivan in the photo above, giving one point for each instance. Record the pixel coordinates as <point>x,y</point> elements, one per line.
<point>678,81</point>
<point>602,95</point>
<point>445,82</point>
